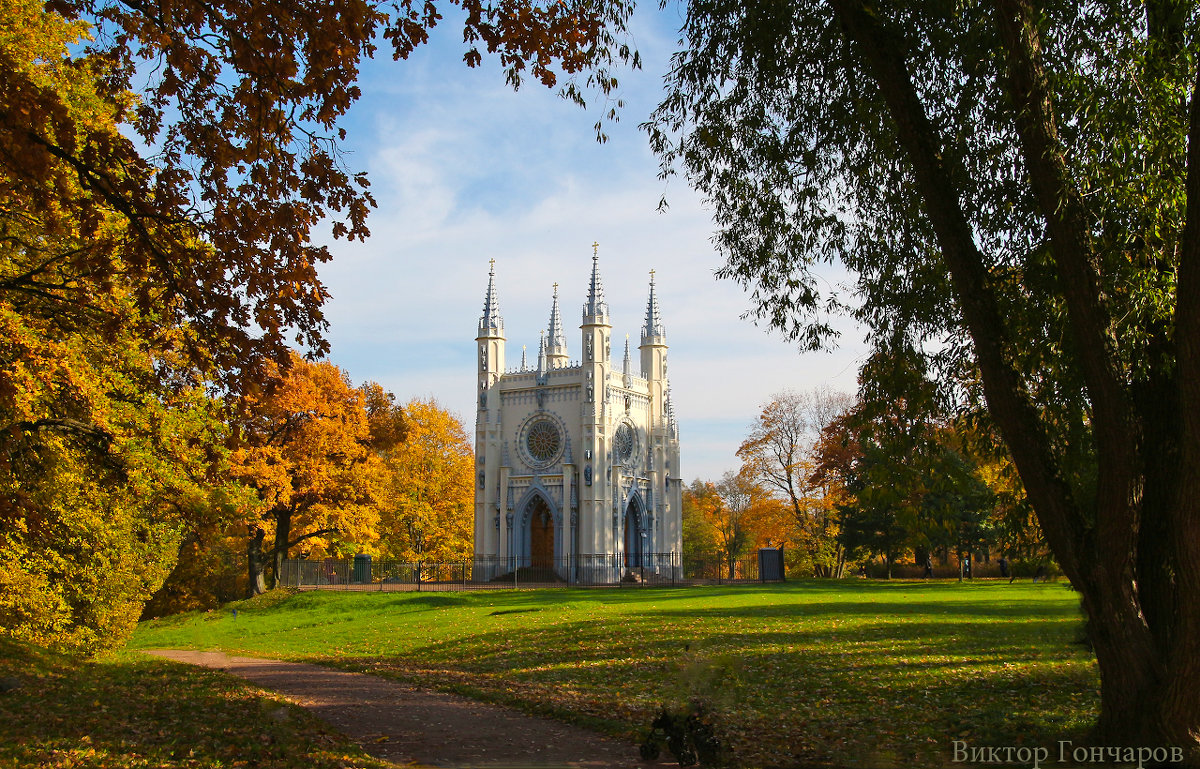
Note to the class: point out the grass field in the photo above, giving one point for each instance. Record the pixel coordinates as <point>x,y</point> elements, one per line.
<point>844,673</point>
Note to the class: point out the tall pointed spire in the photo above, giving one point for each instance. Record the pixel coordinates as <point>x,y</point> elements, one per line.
<point>628,365</point>
<point>654,326</point>
<point>490,323</point>
<point>524,360</point>
<point>556,341</point>
<point>541,363</point>
<point>596,308</point>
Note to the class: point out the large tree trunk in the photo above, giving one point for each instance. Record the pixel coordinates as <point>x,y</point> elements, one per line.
<point>283,530</point>
<point>1143,607</point>
<point>1179,707</point>
<point>1130,672</point>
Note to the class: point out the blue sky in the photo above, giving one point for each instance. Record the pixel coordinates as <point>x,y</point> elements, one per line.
<point>465,170</point>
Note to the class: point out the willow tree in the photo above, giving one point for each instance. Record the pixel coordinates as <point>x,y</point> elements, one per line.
<point>1018,182</point>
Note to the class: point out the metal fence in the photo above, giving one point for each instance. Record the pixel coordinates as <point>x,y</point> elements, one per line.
<point>496,573</point>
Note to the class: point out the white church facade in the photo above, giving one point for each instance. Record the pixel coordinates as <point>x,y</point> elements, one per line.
<point>577,462</point>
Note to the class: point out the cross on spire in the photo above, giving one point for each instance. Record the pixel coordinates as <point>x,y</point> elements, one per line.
<point>653,326</point>
<point>491,324</point>
<point>556,341</point>
<point>595,307</point>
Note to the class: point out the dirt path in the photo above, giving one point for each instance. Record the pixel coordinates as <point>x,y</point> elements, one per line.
<point>408,725</point>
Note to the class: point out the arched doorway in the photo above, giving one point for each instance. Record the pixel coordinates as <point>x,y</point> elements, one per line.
<point>541,534</point>
<point>634,541</point>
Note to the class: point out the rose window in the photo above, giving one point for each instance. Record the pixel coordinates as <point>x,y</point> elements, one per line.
<point>543,441</point>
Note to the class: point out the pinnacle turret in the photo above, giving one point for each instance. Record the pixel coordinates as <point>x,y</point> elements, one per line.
<point>653,326</point>
<point>669,409</point>
<point>628,364</point>
<point>556,341</point>
<point>490,323</point>
<point>595,308</point>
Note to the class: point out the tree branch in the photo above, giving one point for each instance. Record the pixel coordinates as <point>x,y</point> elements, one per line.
<point>1119,488</point>
<point>302,537</point>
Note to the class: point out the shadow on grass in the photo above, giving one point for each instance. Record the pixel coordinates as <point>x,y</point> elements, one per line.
<point>132,712</point>
<point>841,686</point>
<point>848,673</point>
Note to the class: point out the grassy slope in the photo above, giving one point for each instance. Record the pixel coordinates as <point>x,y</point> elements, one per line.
<point>852,673</point>
<point>130,711</point>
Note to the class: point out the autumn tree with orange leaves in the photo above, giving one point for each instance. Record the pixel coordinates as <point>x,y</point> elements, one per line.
<point>725,520</point>
<point>305,447</point>
<point>241,106</point>
<point>427,496</point>
<point>110,438</point>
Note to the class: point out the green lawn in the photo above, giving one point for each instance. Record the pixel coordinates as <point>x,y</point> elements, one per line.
<point>848,673</point>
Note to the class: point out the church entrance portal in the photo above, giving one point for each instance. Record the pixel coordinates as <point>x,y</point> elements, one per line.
<point>541,535</point>
<point>633,535</point>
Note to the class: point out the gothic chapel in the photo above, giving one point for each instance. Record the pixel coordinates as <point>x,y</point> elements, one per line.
<point>577,462</point>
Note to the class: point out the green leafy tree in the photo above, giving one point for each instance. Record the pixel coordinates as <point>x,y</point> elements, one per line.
<point>1021,183</point>
<point>699,537</point>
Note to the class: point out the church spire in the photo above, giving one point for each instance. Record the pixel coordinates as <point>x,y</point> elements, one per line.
<point>490,323</point>
<point>628,366</point>
<point>556,347</point>
<point>541,362</point>
<point>524,360</point>
<point>654,326</point>
<point>596,307</point>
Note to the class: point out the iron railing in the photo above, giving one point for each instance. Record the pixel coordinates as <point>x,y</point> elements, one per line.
<point>495,572</point>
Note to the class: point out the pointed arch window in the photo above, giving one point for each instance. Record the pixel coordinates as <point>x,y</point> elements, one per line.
<point>624,443</point>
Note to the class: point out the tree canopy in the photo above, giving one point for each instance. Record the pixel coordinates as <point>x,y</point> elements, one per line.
<point>780,452</point>
<point>164,170</point>
<point>306,448</point>
<point>233,154</point>
<point>427,488</point>
<point>1016,188</point>
<point>109,437</point>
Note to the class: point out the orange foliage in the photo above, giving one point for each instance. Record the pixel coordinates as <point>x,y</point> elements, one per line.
<point>306,452</point>
<point>427,499</point>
